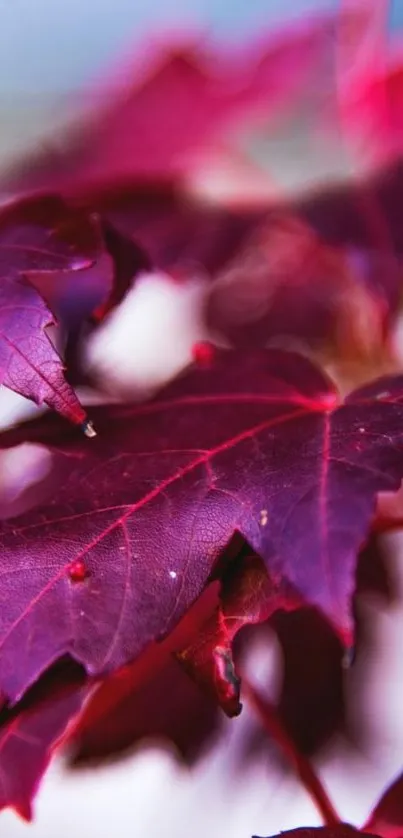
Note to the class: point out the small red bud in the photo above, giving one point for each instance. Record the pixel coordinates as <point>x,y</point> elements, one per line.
<point>203,353</point>
<point>77,571</point>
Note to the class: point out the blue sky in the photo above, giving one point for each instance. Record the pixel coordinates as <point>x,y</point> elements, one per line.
<point>54,45</point>
<point>48,45</point>
<point>396,16</point>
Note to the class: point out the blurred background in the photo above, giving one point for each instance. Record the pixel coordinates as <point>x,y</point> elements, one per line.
<point>53,54</point>
<point>51,50</point>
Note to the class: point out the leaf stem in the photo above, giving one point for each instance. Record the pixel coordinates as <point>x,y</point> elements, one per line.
<point>270,720</point>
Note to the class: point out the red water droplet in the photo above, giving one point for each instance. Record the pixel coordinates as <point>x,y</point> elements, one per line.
<point>77,571</point>
<point>203,353</point>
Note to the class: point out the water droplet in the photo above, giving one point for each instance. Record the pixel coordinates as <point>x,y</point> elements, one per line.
<point>361,430</point>
<point>203,353</point>
<point>263,517</point>
<point>88,429</point>
<point>173,574</point>
<point>77,571</point>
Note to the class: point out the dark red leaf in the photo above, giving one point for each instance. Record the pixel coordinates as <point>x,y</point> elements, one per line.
<point>387,816</point>
<point>178,232</point>
<point>287,282</point>
<point>124,713</point>
<point>311,701</point>
<point>366,219</point>
<point>341,831</point>
<point>52,264</point>
<point>30,732</point>
<point>256,443</point>
<point>151,698</point>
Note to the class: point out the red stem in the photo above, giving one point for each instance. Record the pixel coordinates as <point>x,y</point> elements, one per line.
<point>270,720</point>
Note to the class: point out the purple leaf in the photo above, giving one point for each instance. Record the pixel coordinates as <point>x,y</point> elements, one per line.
<point>52,264</point>
<point>253,443</point>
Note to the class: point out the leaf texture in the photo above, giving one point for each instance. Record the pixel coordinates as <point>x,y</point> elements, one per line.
<point>52,264</point>
<point>255,443</point>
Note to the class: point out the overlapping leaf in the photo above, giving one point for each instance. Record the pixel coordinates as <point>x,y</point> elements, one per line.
<point>287,282</point>
<point>256,443</point>
<point>176,231</point>
<point>30,732</point>
<point>151,698</point>
<point>52,264</point>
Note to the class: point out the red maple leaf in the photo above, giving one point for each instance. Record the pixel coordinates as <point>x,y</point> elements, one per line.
<point>252,443</point>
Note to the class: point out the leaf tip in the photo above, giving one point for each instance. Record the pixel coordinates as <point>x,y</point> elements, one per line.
<point>24,810</point>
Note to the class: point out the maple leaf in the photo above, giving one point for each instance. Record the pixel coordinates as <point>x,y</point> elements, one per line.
<point>256,443</point>
<point>387,816</point>
<point>52,263</point>
<point>180,233</point>
<point>342,830</point>
<point>30,732</point>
